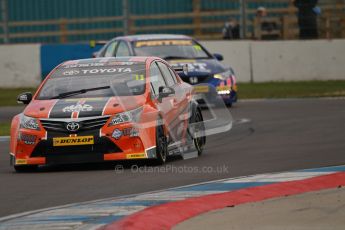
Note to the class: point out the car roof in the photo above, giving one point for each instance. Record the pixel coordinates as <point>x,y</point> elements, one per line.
<point>153,37</point>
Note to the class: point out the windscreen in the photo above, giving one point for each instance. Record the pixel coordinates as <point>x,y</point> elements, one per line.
<point>95,80</point>
<point>170,49</point>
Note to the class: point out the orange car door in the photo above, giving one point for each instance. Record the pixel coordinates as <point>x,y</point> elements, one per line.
<point>165,107</point>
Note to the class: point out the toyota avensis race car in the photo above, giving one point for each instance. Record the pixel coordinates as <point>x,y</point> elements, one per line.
<point>107,109</point>
<point>178,50</point>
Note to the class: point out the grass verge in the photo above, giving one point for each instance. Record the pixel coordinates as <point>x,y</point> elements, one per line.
<point>299,89</point>
<point>5,128</point>
<point>246,90</point>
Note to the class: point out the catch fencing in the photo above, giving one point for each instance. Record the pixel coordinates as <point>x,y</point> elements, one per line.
<point>62,21</point>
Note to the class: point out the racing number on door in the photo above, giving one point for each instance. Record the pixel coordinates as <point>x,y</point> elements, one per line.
<point>139,77</point>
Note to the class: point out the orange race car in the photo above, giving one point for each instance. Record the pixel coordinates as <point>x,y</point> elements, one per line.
<point>107,109</point>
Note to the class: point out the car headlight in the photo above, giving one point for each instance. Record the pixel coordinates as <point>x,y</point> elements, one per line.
<point>128,116</point>
<point>29,123</point>
<point>223,76</point>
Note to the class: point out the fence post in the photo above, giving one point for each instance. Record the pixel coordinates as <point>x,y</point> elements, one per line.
<point>327,26</point>
<point>125,14</point>
<point>257,28</point>
<point>4,13</point>
<point>197,18</point>
<point>243,15</point>
<point>63,30</point>
<point>342,27</point>
<point>285,27</point>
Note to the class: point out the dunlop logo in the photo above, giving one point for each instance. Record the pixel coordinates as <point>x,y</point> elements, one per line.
<point>136,156</point>
<point>65,141</point>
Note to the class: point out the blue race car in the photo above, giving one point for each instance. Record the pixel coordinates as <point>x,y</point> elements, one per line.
<point>204,68</point>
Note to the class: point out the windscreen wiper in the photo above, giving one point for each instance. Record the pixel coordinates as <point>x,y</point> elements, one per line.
<point>175,57</point>
<point>76,92</point>
<point>180,57</point>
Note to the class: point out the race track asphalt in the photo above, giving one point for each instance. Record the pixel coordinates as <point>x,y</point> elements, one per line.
<point>282,135</point>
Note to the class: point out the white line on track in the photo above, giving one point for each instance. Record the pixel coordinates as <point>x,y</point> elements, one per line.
<point>289,99</point>
<point>4,138</point>
<point>242,121</point>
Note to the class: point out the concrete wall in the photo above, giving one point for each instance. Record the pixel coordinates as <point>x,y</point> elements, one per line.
<point>236,54</point>
<point>20,65</point>
<point>283,60</point>
<point>298,60</point>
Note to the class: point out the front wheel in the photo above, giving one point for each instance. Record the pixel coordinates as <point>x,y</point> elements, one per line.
<point>161,145</point>
<point>199,130</point>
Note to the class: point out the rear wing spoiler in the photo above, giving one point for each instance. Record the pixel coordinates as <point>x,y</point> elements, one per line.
<point>181,69</point>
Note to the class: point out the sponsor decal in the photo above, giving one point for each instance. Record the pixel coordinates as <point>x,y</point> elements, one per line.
<point>132,132</point>
<point>139,44</point>
<point>77,108</point>
<point>97,64</point>
<point>120,118</point>
<point>71,72</point>
<point>21,161</point>
<point>201,89</point>
<point>136,156</point>
<point>222,88</point>
<point>106,70</point>
<point>96,71</point>
<point>117,134</point>
<point>120,63</point>
<point>66,141</point>
<point>27,138</point>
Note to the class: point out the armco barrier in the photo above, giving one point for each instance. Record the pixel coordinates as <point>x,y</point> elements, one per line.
<point>257,61</point>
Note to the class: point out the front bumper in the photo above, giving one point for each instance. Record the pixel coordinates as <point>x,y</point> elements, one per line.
<point>208,93</point>
<point>104,147</point>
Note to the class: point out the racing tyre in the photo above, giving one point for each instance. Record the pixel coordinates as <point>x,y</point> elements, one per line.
<point>25,168</point>
<point>199,142</point>
<point>161,145</point>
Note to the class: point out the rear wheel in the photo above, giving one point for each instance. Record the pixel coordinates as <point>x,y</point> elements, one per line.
<point>161,145</point>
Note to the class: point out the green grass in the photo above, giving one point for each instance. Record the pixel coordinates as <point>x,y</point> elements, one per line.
<point>300,89</point>
<point>8,97</point>
<point>5,128</point>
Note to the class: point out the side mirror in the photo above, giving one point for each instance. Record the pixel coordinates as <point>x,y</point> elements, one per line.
<point>219,57</point>
<point>165,92</point>
<point>24,98</point>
